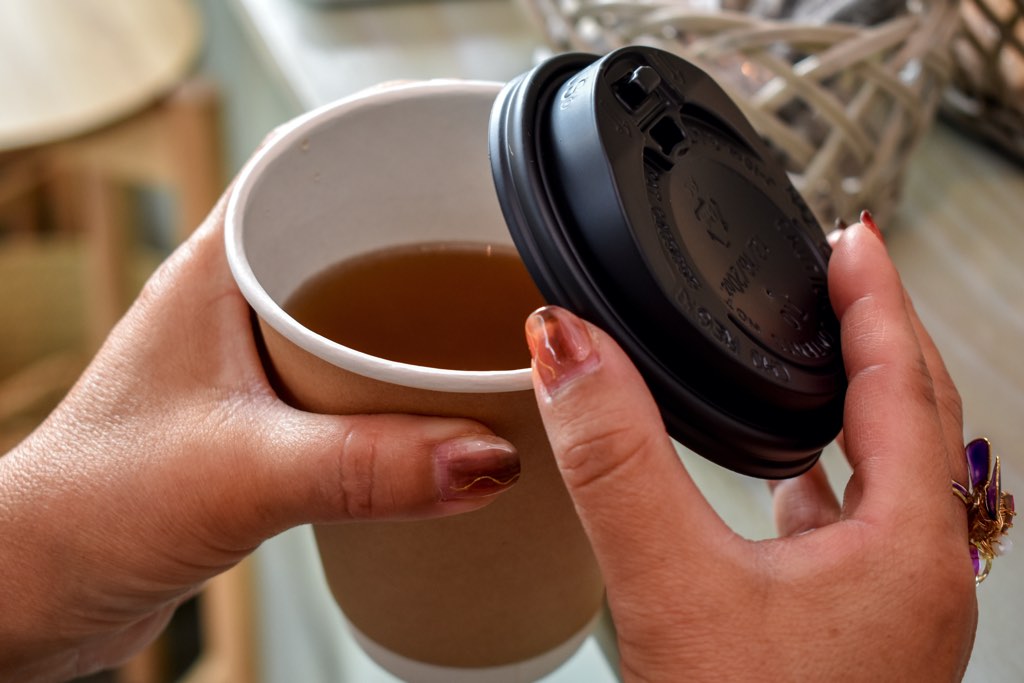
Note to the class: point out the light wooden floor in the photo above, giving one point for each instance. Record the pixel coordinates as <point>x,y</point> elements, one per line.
<point>960,246</point>
<point>960,249</point>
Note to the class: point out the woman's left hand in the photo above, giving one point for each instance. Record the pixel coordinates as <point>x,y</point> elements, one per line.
<point>877,587</point>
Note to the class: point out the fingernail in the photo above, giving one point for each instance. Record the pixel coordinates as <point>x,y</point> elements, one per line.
<point>840,224</point>
<point>475,466</point>
<point>560,345</point>
<point>869,222</point>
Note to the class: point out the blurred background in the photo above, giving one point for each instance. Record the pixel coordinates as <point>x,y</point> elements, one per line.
<point>122,121</point>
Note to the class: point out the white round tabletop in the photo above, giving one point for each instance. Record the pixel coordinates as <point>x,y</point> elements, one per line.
<point>68,66</point>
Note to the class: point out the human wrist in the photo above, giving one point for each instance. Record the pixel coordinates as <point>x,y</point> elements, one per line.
<point>29,583</point>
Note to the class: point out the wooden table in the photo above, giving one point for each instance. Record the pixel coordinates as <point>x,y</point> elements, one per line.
<point>71,67</point>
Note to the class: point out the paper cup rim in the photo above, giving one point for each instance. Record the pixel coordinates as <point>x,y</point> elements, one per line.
<point>347,358</point>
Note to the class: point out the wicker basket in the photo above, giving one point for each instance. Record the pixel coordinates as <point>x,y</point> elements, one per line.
<point>987,95</point>
<point>844,104</point>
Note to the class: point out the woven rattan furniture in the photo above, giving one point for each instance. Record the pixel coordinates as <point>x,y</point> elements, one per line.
<point>843,104</point>
<point>987,95</point>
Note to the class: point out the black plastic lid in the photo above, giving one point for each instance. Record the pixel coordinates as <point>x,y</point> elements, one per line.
<point>640,198</point>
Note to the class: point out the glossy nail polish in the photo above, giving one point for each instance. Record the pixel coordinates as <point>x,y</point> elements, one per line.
<point>475,466</point>
<point>560,344</point>
<point>869,222</point>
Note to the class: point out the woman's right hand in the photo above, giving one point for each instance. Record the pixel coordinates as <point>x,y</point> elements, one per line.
<point>878,587</point>
<point>172,459</point>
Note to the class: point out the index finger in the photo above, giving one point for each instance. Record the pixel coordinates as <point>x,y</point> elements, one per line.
<point>893,431</point>
<point>946,396</point>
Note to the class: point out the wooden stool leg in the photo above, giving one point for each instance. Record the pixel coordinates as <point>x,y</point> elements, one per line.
<point>149,666</point>
<point>102,221</point>
<point>102,218</point>
<point>227,617</point>
<point>19,186</point>
<point>61,193</point>
<point>193,112</point>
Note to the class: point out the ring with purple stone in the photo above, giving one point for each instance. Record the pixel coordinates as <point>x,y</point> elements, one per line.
<point>990,510</point>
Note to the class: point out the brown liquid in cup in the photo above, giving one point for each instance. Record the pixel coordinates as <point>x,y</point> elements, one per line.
<point>457,306</point>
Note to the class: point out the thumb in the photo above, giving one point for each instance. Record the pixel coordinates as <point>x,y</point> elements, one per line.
<point>301,468</point>
<point>637,503</point>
